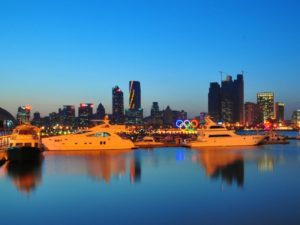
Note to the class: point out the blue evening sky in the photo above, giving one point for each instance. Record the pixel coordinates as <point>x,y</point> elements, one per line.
<point>67,52</point>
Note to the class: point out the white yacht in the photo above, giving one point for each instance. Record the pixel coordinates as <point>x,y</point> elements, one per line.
<point>213,135</point>
<point>101,137</point>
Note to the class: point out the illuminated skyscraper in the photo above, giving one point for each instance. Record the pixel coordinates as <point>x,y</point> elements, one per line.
<point>134,115</point>
<point>134,95</point>
<point>85,113</point>
<point>117,105</point>
<point>279,111</point>
<point>265,102</point>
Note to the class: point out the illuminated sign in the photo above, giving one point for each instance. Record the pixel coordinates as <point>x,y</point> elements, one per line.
<point>187,124</point>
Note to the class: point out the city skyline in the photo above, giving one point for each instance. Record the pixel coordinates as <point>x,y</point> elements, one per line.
<point>57,53</point>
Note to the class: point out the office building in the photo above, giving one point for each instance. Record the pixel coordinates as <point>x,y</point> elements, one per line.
<point>279,111</point>
<point>100,113</point>
<point>226,102</point>
<point>296,118</point>
<point>134,95</point>
<point>265,102</point>
<point>252,114</point>
<point>214,101</point>
<point>117,105</point>
<point>23,115</point>
<point>67,115</point>
<point>134,115</point>
<point>85,113</point>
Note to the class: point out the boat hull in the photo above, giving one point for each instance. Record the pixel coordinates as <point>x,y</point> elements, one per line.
<point>227,142</point>
<point>23,154</point>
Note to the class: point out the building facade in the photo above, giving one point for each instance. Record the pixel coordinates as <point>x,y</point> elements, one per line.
<point>265,102</point>
<point>226,102</point>
<point>85,113</point>
<point>117,105</point>
<point>279,111</point>
<point>252,114</point>
<point>214,101</point>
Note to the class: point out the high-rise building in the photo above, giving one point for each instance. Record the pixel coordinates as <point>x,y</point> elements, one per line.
<point>168,116</point>
<point>117,105</point>
<point>134,95</point>
<point>85,113</point>
<point>134,115</point>
<point>279,111</point>
<point>156,119</point>
<point>227,102</point>
<point>214,101</point>
<point>23,115</point>
<point>296,118</point>
<point>36,119</point>
<point>68,115</point>
<point>252,114</point>
<point>265,102</point>
<point>238,114</point>
<point>100,113</point>
<point>155,113</point>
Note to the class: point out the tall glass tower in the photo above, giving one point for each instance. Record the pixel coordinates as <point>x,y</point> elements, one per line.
<point>117,105</point>
<point>134,95</point>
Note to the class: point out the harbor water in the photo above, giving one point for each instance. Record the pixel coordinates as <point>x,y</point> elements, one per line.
<point>244,185</point>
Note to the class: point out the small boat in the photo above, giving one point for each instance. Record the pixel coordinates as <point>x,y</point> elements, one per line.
<point>274,138</point>
<point>24,144</point>
<point>214,135</point>
<point>148,142</point>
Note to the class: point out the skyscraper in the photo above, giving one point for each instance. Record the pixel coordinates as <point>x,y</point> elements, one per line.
<point>117,105</point>
<point>68,115</point>
<point>134,95</point>
<point>252,114</point>
<point>134,115</point>
<point>227,102</point>
<point>265,102</point>
<point>214,101</point>
<point>23,114</point>
<point>85,113</point>
<point>279,111</point>
<point>100,113</point>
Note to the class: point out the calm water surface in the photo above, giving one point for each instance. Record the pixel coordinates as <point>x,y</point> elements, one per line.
<point>259,185</point>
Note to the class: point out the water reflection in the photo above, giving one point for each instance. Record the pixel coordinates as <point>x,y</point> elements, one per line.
<point>100,166</point>
<point>26,176</point>
<point>223,163</point>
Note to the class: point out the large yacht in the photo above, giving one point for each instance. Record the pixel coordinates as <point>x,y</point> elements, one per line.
<point>24,144</point>
<point>101,137</point>
<point>214,135</point>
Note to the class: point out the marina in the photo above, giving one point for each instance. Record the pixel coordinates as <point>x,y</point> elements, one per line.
<point>174,182</point>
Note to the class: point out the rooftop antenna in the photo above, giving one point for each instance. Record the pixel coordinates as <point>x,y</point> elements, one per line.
<point>221,73</point>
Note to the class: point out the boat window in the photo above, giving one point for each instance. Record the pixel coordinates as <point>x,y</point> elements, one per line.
<point>83,132</point>
<point>26,132</point>
<point>100,134</point>
<point>216,127</point>
<point>18,144</point>
<point>219,135</point>
<point>27,144</point>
